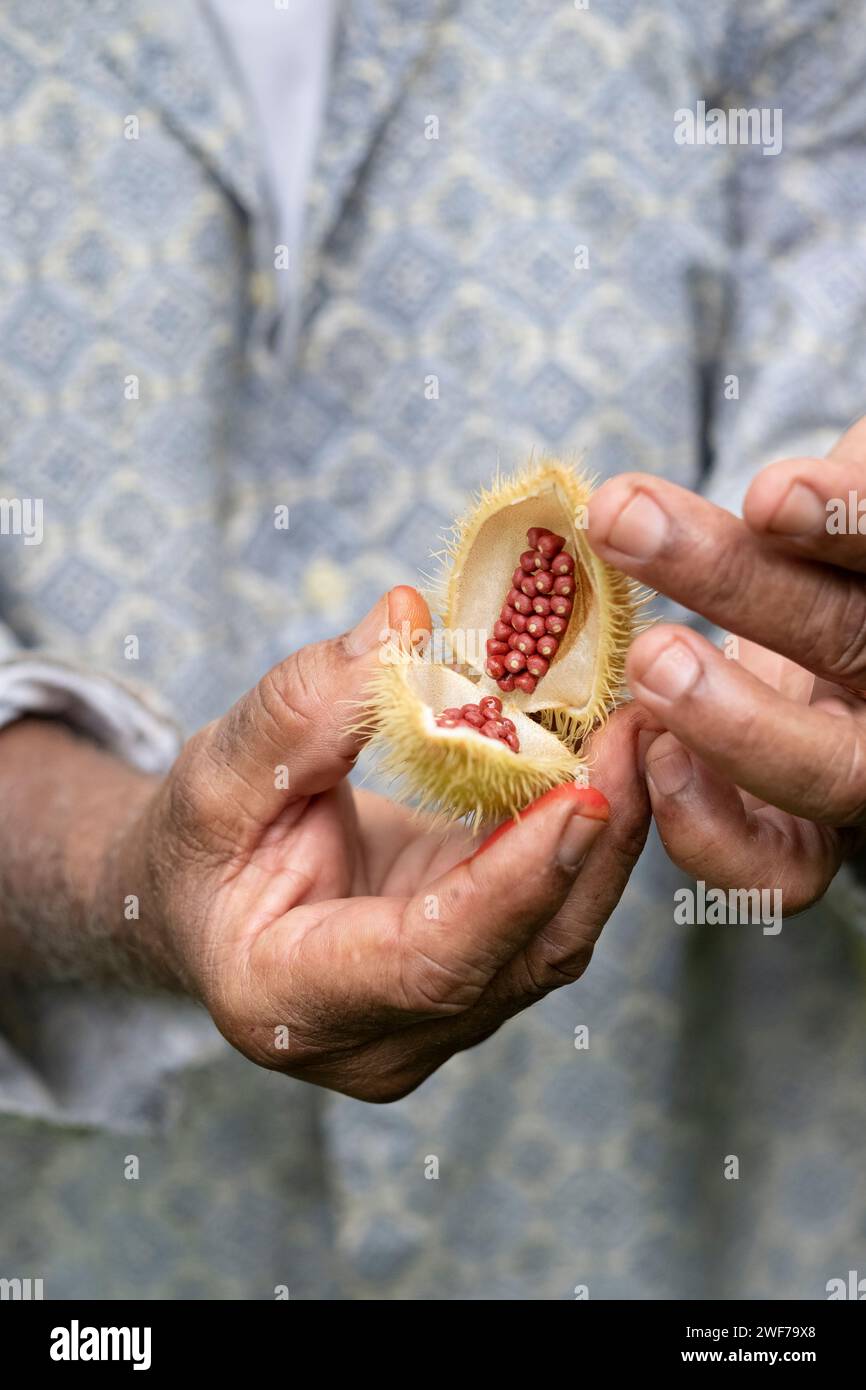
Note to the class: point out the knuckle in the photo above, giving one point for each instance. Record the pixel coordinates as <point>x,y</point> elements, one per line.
<point>288,700</point>
<point>429,984</point>
<point>628,830</point>
<point>724,571</point>
<point>841,799</point>
<point>848,664</point>
<point>378,1075</point>
<point>799,897</point>
<point>543,975</point>
<point>693,853</point>
<point>383,1088</point>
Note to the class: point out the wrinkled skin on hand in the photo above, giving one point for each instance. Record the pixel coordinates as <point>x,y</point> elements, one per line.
<point>760,777</point>
<point>333,935</point>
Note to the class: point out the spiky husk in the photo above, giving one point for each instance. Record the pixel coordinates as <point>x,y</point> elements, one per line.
<point>455,773</point>
<point>618,599</point>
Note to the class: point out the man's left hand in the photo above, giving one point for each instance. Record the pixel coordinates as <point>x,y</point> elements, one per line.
<point>760,777</point>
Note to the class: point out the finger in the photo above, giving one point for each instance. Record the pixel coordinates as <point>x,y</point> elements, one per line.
<point>459,933</point>
<point>709,834</point>
<point>561,950</point>
<point>707,559</point>
<point>359,968</point>
<point>290,737</point>
<point>813,508</point>
<point>791,680</point>
<point>555,954</point>
<point>794,756</point>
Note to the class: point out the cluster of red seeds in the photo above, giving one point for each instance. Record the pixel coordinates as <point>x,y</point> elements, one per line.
<point>485,718</point>
<point>535,615</point>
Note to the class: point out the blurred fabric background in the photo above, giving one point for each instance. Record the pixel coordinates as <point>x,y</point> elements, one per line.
<point>457,258</point>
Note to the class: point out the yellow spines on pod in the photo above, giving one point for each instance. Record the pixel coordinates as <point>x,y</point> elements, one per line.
<point>587,676</point>
<point>554,691</point>
<point>456,772</point>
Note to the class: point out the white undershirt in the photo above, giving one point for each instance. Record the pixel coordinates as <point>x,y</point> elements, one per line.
<point>283,56</point>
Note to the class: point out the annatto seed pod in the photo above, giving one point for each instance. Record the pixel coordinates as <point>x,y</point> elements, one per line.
<point>552,654</point>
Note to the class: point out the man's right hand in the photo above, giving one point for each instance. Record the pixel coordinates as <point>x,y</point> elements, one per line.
<point>331,934</point>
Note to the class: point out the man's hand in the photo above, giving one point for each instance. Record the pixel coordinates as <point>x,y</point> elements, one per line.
<point>761,779</point>
<point>331,934</point>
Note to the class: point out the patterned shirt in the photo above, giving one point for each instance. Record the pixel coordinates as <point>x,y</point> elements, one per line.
<point>499,203</point>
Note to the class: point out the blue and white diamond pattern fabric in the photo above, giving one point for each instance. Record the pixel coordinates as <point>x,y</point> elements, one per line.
<point>499,208</point>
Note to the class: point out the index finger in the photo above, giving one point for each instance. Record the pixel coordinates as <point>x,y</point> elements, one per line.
<point>816,507</point>
<point>708,560</point>
<point>461,930</point>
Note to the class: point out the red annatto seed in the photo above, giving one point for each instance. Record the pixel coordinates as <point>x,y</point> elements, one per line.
<point>536,608</point>
<point>483,718</point>
<point>551,544</point>
<point>472,715</point>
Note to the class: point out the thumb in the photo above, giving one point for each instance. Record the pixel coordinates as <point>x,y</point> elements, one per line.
<point>287,738</point>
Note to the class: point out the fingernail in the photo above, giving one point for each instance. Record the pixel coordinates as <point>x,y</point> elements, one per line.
<point>800,513</point>
<point>582,829</point>
<point>671,773</point>
<point>673,672</point>
<point>640,529</point>
<point>587,803</point>
<point>370,631</point>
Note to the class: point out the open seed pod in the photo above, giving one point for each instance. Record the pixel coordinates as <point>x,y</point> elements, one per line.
<point>529,659</point>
